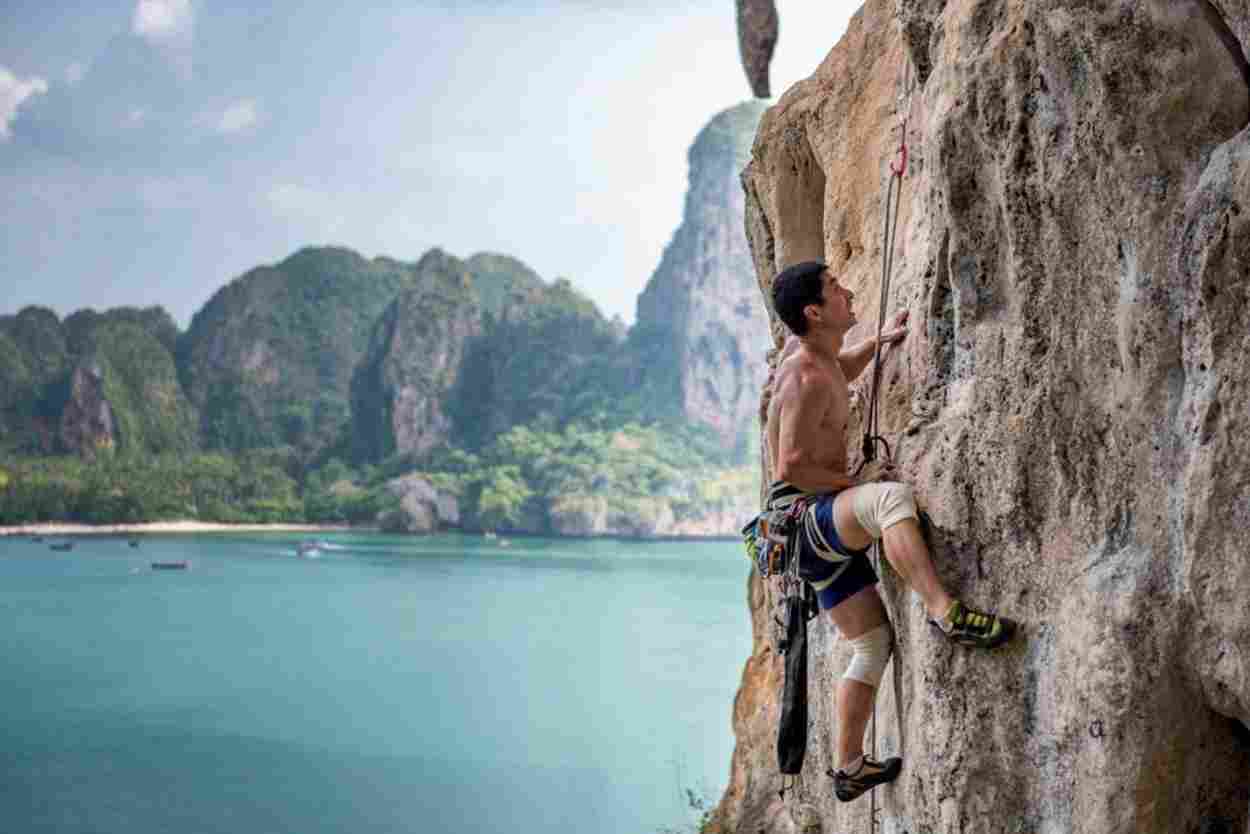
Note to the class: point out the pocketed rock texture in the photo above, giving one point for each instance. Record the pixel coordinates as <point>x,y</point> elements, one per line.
<point>1070,404</point>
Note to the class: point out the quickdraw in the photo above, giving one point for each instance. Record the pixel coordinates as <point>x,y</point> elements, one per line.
<point>770,538</point>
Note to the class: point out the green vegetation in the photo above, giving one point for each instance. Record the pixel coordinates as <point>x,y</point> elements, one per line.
<point>549,360</point>
<point>155,321</point>
<point>498,278</point>
<point>120,488</point>
<point>284,399</point>
<point>141,386</point>
<point>268,361</point>
<point>130,349</point>
<point>636,471</point>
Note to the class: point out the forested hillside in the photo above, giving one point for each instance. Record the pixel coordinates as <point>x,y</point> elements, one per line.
<point>325,386</point>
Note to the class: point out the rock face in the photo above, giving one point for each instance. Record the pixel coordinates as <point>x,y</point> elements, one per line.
<point>1074,250</point>
<point>699,321</point>
<point>87,424</point>
<point>414,359</point>
<point>422,508</point>
<point>131,367</point>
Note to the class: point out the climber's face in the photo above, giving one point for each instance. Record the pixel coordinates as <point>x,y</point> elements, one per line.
<point>835,313</point>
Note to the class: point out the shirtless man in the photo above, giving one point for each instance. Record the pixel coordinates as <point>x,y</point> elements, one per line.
<point>807,422</point>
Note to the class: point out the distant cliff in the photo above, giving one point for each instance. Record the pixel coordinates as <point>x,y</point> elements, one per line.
<point>95,381</point>
<point>329,359</point>
<point>268,360</point>
<point>699,322</point>
<point>416,350</point>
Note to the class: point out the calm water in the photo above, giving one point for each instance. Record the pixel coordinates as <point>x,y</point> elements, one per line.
<point>440,684</point>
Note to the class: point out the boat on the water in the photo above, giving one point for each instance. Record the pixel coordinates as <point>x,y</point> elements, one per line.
<point>178,565</point>
<point>61,546</point>
<point>36,538</point>
<point>134,542</point>
<point>309,548</point>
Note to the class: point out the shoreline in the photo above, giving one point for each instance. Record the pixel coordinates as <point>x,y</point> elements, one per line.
<point>62,528</point>
<point>58,528</point>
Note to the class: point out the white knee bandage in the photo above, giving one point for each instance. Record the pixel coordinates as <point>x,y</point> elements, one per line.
<point>872,652</point>
<point>882,504</point>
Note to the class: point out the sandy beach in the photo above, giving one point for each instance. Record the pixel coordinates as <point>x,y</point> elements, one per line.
<point>67,529</point>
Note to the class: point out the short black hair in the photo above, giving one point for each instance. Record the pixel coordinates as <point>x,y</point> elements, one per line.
<point>794,288</point>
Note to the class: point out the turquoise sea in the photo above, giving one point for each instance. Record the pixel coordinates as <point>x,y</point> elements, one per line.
<point>440,684</point>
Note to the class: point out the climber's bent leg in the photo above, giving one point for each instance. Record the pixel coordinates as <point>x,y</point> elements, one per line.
<point>887,510</point>
<point>863,512</point>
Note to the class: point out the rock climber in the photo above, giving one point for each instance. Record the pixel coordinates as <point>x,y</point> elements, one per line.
<point>807,423</point>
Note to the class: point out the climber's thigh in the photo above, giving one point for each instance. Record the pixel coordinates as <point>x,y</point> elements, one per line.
<point>863,511</point>
<point>850,531</point>
<point>859,613</point>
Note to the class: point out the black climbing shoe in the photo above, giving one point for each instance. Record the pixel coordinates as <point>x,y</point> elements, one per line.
<point>979,629</point>
<point>848,786</point>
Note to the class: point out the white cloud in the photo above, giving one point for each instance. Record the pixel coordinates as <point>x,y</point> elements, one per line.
<point>166,25</point>
<point>74,73</point>
<point>14,91</point>
<point>162,20</point>
<point>238,117</point>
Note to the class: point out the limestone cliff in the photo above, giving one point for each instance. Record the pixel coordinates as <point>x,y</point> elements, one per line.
<point>1070,403</point>
<point>699,323</point>
<point>414,358</point>
<point>268,360</point>
<point>95,381</point>
<point>123,392</point>
<point>546,358</point>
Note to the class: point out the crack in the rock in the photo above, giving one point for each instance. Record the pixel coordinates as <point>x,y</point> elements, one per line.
<point>1222,30</point>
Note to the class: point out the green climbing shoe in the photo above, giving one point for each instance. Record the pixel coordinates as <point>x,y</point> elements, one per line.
<point>979,629</point>
<point>869,774</point>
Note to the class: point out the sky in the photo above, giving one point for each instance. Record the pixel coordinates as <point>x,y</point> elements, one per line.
<point>153,150</point>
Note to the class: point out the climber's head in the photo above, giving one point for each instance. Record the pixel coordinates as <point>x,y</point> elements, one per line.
<point>807,295</point>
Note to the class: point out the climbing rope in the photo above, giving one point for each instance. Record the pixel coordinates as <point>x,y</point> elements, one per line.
<point>898,169</point>
<point>872,435</point>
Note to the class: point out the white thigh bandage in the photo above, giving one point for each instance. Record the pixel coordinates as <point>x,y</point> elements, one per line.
<point>880,505</point>
<point>872,652</point>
